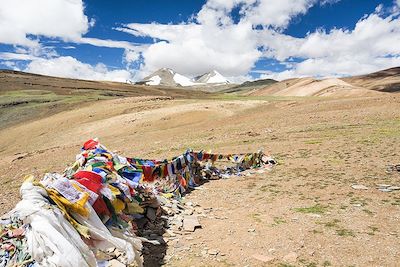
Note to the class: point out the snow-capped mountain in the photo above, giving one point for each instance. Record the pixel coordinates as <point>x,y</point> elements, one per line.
<point>168,77</point>
<point>212,77</point>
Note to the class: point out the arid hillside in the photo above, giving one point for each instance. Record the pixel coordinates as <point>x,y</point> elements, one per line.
<point>26,96</point>
<point>312,87</point>
<point>304,212</point>
<point>365,85</point>
<point>384,81</point>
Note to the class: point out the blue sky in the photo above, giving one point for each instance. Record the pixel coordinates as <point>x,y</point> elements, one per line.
<point>242,39</point>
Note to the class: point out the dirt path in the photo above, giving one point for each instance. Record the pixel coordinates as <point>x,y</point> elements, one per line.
<point>303,213</point>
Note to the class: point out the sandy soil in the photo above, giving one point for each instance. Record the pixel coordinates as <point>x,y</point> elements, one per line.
<point>302,213</point>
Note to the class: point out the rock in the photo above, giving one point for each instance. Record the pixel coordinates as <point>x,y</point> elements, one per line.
<point>154,236</point>
<point>359,187</point>
<point>115,263</point>
<point>394,188</point>
<point>169,233</point>
<point>263,258</point>
<point>188,212</point>
<point>198,210</point>
<point>190,223</point>
<point>383,185</point>
<point>213,252</point>
<point>251,230</point>
<point>151,214</point>
<point>174,208</point>
<point>387,187</point>
<point>291,257</point>
<point>163,201</point>
<point>177,221</point>
<point>385,190</point>
<point>167,211</point>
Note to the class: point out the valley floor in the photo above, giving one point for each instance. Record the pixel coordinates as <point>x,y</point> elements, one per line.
<point>302,213</point>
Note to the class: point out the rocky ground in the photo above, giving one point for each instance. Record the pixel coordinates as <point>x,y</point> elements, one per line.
<point>320,206</point>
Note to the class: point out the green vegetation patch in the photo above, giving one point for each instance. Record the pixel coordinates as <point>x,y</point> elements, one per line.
<point>316,209</point>
<point>278,221</point>
<point>345,232</point>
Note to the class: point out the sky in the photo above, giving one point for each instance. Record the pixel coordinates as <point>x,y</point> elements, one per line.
<point>242,39</point>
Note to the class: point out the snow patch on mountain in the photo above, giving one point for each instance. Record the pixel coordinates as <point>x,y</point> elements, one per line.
<point>155,80</point>
<point>212,77</point>
<point>182,80</point>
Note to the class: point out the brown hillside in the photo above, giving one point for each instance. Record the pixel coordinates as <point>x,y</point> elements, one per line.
<point>26,96</point>
<point>384,81</point>
<point>312,87</point>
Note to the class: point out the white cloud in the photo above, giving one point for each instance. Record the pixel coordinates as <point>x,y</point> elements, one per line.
<point>131,53</point>
<point>258,12</point>
<point>51,18</point>
<point>276,13</point>
<point>329,2</point>
<point>240,79</point>
<point>372,45</point>
<point>334,67</point>
<point>17,56</point>
<point>70,67</point>
<point>195,49</point>
<point>212,40</point>
<point>10,64</point>
<point>23,23</point>
<point>106,43</point>
<point>131,56</point>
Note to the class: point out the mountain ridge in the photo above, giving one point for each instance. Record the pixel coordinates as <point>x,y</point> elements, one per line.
<point>168,77</point>
<point>212,77</point>
<point>387,80</point>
